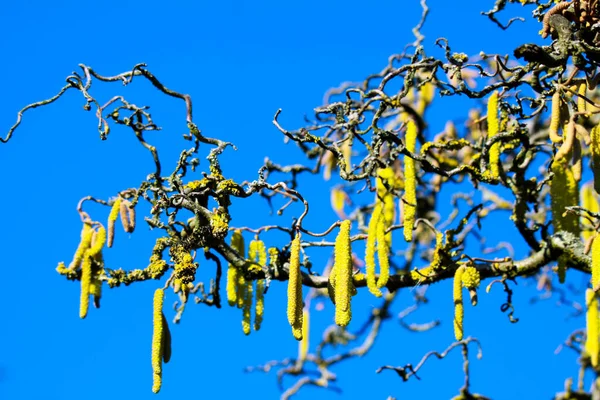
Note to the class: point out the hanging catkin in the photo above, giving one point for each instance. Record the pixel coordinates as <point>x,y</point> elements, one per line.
<point>493,128</point>
<point>595,151</point>
<point>459,311</point>
<point>370,248</point>
<point>555,118</point>
<point>595,263</point>
<point>157,339</point>
<point>237,243</point>
<point>343,275</point>
<point>410,183</point>
<point>86,280</point>
<point>257,252</point>
<point>294,305</point>
<point>112,217</point>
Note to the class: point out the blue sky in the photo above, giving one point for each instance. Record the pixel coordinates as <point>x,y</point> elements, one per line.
<point>240,61</point>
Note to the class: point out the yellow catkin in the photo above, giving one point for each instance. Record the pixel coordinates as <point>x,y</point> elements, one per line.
<point>112,217</point>
<point>555,118</point>
<point>237,243</point>
<point>592,337</point>
<point>566,149</point>
<point>459,311</point>
<point>563,193</point>
<point>426,95</point>
<point>436,260</point>
<point>581,103</point>
<point>247,310</point>
<point>294,304</point>
<point>157,338</point>
<point>156,383</point>
<point>241,290</point>
<point>232,285</point>
<point>383,255</point>
<point>338,198</point>
<point>471,278</point>
<point>595,151</point>
<point>257,252</point>
<point>596,262</point>
<point>493,126</point>
<point>589,201</point>
<point>410,181</point>
<point>343,275</point>
<point>259,309</point>
<point>99,241</point>
<point>86,240</point>
<point>386,183</point>
<point>370,250</point>
<point>252,250</point>
<point>303,345</point>
<point>273,257</point>
<point>95,252</point>
<point>86,279</point>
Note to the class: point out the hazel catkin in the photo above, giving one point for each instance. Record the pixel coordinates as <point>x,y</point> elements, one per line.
<point>595,155</point>
<point>581,103</point>
<point>259,308</point>
<point>459,312</point>
<point>589,201</point>
<point>343,275</point>
<point>247,309</point>
<point>595,263</point>
<point>233,284</point>
<point>98,242</point>
<point>86,240</point>
<point>471,278</point>
<point>385,185</point>
<point>294,304</point>
<point>563,193</point>
<point>126,216</point>
<point>410,182</point>
<point>86,279</point>
<point>383,255</point>
<point>555,118</point>
<point>370,248</point>
<point>493,128</point>
<point>257,253</point>
<point>112,217</point>
<point>157,339</point>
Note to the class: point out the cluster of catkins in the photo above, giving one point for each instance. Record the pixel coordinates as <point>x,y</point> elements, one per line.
<point>88,260</point>
<point>567,131</point>
<point>240,291</point>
